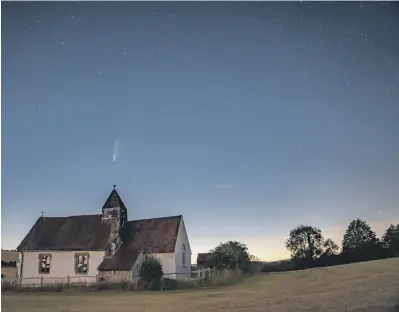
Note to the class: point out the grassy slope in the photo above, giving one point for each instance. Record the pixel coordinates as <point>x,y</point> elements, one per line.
<point>371,286</point>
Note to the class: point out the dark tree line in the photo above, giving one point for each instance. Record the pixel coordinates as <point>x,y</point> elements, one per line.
<point>8,263</point>
<point>309,248</point>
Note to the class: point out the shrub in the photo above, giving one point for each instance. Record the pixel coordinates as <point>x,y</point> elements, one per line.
<point>174,284</point>
<point>281,266</point>
<point>169,284</point>
<point>151,274</point>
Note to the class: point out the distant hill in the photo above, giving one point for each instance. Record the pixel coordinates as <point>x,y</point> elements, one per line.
<point>8,255</point>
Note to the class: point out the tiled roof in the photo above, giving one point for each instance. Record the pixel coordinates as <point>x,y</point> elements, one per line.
<point>86,232</point>
<point>205,257</point>
<point>157,235</point>
<point>123,259</point>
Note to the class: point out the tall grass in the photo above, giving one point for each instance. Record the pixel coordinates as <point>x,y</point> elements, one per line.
<point>224,278</point>
<point>63,287</point>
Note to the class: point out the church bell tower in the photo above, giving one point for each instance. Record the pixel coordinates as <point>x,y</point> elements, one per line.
<point>114,211</point>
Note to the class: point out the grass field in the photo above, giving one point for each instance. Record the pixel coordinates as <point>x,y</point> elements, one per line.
<point>369,286</point>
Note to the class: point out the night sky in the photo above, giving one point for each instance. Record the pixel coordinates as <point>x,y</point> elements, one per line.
<point>247,118</point>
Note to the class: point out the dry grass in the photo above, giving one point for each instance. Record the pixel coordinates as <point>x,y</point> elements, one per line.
<point>371,286</point>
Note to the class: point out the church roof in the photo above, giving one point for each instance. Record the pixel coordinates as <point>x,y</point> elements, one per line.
<point>157,235</point>
<point>86,232</point>
<point>90,232</point>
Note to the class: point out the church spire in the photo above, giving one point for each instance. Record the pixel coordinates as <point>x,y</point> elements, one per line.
<point>113,202</point>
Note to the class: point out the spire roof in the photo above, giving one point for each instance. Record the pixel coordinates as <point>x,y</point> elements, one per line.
<point>114,200</point>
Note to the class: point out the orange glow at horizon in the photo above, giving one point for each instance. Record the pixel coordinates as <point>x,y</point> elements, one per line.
<point>273,248</point>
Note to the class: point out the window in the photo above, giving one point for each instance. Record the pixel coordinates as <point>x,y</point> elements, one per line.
<point>82,263</point>
<point>183,254</point>
<point>138,267</point>
<point>44,263</point>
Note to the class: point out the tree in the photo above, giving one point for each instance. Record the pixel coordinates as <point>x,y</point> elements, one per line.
<point>360,242</point>
<point>330,253</point>
<point>390,240</point>
<point>254,258</point>
<point>305,244</point>
<point>231,255</point>
<point>150,274</point>
<point>330,248</point>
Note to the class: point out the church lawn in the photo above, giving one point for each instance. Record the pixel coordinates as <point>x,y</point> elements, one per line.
<point>368,286</point>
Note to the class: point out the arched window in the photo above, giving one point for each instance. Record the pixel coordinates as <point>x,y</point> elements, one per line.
<point>183,254</point>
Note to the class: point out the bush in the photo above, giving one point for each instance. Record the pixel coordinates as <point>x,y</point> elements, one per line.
<point>282,266</point>
<point>169,284</point>
<point>151,274</point>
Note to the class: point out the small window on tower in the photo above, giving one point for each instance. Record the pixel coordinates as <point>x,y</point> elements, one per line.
<point>44,263</point>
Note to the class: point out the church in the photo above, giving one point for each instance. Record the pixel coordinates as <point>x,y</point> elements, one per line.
<point>102,247</point>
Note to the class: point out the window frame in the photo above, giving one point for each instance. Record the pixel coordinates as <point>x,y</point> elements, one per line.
<point>40,258</point>
<point>76,262</point>
<point>183,247</point>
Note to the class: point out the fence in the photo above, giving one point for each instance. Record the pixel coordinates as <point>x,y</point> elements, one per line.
<point>203,273</point>
<point>200,274</point>
<point>67,280</point>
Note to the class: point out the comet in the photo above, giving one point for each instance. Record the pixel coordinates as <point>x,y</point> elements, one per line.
<point>116,150</point>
